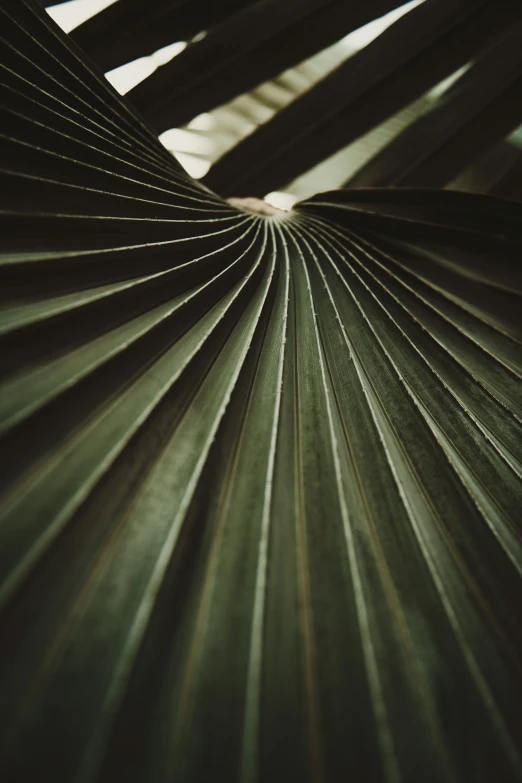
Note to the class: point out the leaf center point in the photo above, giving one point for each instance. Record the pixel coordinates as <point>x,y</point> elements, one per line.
<point>257,206</point>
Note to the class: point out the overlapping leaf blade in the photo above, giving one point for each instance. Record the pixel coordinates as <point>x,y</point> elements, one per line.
<point>481,107</point>
<point>255,45</point>
<point>261,476</point>
<point>415,53</point>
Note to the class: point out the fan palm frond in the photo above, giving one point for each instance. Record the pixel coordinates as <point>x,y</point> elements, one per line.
<point>261,470</point>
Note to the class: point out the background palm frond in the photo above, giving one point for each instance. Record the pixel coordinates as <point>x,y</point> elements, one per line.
<point>261,470</point>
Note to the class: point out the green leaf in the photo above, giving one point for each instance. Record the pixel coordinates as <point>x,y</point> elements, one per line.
<point>415,53</point>
<point>128,29</point>
<point>481,107</point>
<point>253,46</point>
<point>260,471</point>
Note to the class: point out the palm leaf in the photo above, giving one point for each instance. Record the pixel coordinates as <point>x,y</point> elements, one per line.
<point>480,107</point>
<point>225,64</point>
<point>411,56</point>
<point>260,510</point>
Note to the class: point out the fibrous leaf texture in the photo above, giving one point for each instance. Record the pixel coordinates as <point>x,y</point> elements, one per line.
<point>260,516</point>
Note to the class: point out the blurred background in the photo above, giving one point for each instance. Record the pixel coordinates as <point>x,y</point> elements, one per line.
<point>207,137</point>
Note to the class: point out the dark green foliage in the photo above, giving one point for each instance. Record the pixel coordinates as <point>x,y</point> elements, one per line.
<point>260,510</point>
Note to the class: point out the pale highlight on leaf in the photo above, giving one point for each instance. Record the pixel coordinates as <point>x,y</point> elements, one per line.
<point>261,469</point>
